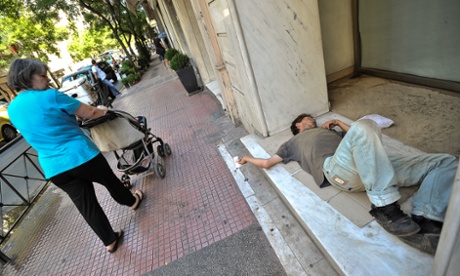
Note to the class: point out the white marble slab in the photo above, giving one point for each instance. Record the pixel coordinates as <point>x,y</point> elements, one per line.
<point>282,250</point>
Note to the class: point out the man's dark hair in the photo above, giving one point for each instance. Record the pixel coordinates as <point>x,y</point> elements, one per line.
<point>93,61</point>
<point>299,118</point>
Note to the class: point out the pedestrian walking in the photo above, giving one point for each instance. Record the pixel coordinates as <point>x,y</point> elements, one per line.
<point>47,120</point>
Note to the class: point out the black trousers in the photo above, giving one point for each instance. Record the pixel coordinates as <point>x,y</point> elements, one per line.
<point>78,184</point>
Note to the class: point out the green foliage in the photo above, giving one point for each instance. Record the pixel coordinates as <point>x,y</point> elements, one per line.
<point>129,80</point>
<point>127,70</point>
<point>126,81</point>
<point>171,53</point>
<point>91,42</point>
<point>28,28</point>
<point>179,61</point>
<point>126,63</point>
<point>22,34</point>
<point>46,9</point>
<point>10,8</point>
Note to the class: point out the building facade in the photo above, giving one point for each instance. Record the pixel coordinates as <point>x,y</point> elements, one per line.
<point>270,60</point>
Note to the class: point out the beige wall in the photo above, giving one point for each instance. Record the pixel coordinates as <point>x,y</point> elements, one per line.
<point>197,48</point>
<point>415,37</point>
<point>273,54</point>
<point>283,40</point>
<point>337,35</point>
<point>173,27</point>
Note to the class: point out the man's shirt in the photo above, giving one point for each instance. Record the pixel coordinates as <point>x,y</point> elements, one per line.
<point>310,148</point>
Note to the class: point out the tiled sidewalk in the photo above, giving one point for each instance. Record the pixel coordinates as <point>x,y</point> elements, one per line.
<point>195,205</point>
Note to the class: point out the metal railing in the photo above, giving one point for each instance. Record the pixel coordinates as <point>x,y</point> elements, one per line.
<point>21,181</point>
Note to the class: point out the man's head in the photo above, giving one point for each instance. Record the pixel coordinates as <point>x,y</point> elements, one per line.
<point>93,62</point>
<point>302,122</point>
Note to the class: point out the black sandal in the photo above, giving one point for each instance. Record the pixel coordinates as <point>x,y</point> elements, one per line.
<point>119,237</point>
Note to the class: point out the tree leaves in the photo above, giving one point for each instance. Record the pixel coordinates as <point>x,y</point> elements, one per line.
<point>24,35</point>
<point>91,42</point>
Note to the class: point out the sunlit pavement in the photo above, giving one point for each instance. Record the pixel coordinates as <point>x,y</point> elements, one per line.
<point>195,206</point>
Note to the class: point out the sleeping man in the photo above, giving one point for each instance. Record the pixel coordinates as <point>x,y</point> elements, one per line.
<point>358,162</point>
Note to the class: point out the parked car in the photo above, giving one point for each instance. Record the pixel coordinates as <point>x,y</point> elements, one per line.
<point>83,86</point>
<point>84,72</point>
<point>8,132</point>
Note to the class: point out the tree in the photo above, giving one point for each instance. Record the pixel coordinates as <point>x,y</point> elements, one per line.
<point>122,23</point>
<point>22,34</point>
<point>107,13</point>
<point>91,42</point>
<point>113,14</point>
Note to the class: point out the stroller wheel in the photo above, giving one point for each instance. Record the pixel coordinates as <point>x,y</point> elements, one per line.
<point>126,180</point>
<point>160,151</point>
<point>167,149</point>
<point>160,170</point>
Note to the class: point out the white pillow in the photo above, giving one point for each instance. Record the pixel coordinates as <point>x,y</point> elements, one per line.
<point>381,121</point>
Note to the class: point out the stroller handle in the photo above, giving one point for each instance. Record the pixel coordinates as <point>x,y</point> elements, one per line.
<point>136,122</point>
<point>89,123</point>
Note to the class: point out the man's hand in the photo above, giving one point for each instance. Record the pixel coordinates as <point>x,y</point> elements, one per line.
<point>333,123</point>
<point>241,161</point>
<point>330,124</point>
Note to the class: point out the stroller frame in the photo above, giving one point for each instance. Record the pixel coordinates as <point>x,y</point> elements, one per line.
<point>142,150</point>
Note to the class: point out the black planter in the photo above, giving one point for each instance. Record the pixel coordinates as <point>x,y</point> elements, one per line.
<point>188,78</point>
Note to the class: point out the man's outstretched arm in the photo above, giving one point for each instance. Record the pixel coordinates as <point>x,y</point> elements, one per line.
<point>261,162</point>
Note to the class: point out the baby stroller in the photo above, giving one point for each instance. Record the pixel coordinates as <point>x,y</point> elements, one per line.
<point>130,140</point>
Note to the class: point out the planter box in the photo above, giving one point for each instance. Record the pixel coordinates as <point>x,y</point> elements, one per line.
<point>188,79</point>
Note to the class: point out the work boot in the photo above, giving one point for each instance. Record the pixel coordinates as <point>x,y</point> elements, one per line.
<point>424,242</point>
<point>392,219</point>
<point>427,225</point>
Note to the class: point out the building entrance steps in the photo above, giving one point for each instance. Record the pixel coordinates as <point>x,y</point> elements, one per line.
<point>339,222</point>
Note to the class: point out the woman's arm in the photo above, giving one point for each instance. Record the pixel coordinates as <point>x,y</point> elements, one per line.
<point>90,112</point>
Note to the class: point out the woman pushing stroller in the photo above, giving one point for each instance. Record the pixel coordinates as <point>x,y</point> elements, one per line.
<point>67,156</point>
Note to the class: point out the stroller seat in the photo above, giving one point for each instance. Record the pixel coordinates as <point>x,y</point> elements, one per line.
<point>130,140</point>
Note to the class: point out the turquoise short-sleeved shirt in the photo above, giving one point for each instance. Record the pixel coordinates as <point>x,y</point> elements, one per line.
<point>46,121</point>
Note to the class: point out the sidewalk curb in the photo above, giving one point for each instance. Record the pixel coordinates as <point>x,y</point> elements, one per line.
<point>287,258</point>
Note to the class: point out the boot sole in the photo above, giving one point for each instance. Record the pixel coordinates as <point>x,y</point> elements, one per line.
<point>423,242</point>
<point>406,234</point>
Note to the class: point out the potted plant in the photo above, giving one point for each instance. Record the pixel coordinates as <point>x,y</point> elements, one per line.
<point>170,53</point>
<point>126,81</point>
<point>181,64</point>
<point>129,74</point>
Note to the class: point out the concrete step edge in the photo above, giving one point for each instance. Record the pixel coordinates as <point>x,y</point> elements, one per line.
<point>284,253</point>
